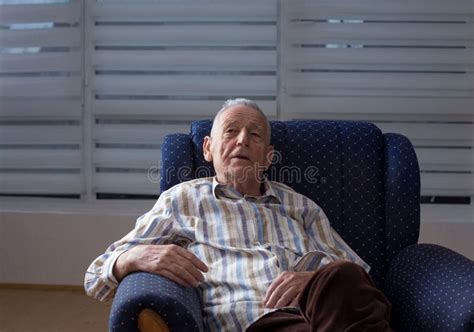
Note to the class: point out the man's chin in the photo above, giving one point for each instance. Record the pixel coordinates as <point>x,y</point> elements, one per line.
<point>244,174</point>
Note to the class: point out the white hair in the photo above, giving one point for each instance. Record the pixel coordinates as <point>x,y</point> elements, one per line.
<point>242,102</point>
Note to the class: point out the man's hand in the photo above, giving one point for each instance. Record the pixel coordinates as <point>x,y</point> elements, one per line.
<point>171,261</point>
<point>285,288</point>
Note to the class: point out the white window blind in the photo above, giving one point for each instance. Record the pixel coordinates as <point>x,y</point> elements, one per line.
<point>41,98</point>
<point>157,65</point>
<point>407,66</point>
<point>88,89</point>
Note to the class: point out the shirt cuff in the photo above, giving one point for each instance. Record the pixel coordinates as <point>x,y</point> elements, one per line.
<point>108,267</point>
<point>311,261</point>
<point>315,259</point>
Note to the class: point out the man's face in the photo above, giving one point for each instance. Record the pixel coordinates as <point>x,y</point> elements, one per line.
<point>239,148</point>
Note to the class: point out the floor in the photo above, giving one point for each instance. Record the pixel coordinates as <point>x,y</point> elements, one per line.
<point>51,310</point>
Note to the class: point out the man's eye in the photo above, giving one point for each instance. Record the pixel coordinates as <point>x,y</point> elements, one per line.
<point>255,134</point>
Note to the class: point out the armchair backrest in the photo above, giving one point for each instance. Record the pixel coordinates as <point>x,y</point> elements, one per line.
<point>338,164</point>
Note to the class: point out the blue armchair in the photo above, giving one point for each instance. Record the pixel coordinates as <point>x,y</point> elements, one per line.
<point>368,184</point>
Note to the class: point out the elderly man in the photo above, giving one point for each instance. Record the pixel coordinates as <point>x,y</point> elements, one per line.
<point>263,256</point>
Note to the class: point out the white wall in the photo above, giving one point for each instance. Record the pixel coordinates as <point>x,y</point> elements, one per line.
<point>56,248</point>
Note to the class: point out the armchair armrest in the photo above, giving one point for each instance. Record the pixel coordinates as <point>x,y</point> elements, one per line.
<point>431,289</point>
<point>178,306</point>
<point>402,194</point>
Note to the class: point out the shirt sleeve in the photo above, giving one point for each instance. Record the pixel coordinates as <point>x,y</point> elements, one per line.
<point>155,227</point>
<point>328,243</point>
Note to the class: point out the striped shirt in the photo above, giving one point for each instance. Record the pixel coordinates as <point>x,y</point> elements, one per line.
<point>245,241</point>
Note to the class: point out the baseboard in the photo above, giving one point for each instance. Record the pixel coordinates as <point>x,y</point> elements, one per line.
<point>68,288</point>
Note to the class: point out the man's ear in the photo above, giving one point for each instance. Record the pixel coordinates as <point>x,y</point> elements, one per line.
<point>206,146</point>
<point>269,156</point>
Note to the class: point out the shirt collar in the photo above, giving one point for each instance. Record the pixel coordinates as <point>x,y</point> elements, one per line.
<point>220,190</point>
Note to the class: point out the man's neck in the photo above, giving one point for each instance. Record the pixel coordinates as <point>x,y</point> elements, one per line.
<point>250,188</point>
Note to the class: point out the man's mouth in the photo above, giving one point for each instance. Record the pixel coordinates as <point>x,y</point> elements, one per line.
<point>240,157</point>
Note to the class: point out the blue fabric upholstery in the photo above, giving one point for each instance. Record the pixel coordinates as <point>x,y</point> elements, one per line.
<point>431,289</point>
<point>176,160</point>
<point>402,190</point>
<point>368,184</point>
<point>179,306</point>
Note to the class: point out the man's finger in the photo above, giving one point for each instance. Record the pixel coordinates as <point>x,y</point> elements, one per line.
<point>199,263</point>
<point>196,261</point>
<point>287,297</point>
<point>183,273</point>
<point>276,295</point>
<point>192,258</point>
<point>272,288</point>
<point>175,278</point>
<point>191,268</point>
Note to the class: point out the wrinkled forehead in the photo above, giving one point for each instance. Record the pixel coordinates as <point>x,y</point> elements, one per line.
<point>239,115</point>
<point>239,123</point>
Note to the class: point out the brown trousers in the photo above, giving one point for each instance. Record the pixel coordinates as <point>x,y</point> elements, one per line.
<point>339,297</point>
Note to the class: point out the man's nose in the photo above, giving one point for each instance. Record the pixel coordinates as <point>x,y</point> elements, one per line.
<point>243,137</point>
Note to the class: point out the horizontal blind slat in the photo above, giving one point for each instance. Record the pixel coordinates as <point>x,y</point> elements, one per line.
<point>381,93</point>
<point>187,35</point>
<point>185,84</point>
<point>332,105</point>
<point>41,134</point>
<point>63,37</point>
<point>41,183</point>
<point>172,109</point>
<point>431,131</point>
<point>409,58</point>
<point>134,158</point>
<point>196,11</point>
<point>57,158</point>
<point>423,8</point>
<point>57,107</point>
<point>437,158</point>
<point>359,81</point>
<point>185,59</point>
<point>380,32</point>
<point>447,184</point>
<point>127,183</point>
<point>40,13</point>
<point>41,62</point>
<point>43,87</point>
<point>136,133</point>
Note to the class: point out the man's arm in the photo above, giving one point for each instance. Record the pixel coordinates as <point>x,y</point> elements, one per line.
<point>146,248</point>
<point>171,261</point>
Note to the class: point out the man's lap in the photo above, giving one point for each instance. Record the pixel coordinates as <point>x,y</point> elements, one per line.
<point>327,297</point>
